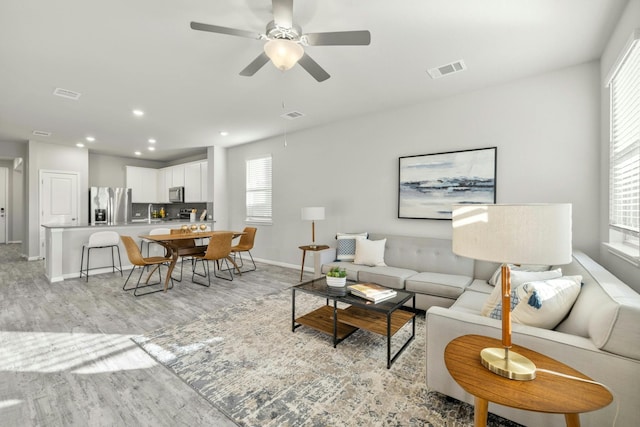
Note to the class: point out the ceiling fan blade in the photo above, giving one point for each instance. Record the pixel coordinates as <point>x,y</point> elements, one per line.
<point>313,68</point>
<point>283,13</point>
<point>340,38</point>
<point>224,30</point>
<point>255,65</point>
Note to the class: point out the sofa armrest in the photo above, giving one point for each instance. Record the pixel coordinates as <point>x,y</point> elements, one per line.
<point>444,325</point>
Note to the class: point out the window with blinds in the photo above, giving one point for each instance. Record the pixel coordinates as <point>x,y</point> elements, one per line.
<point>258,196</point>
<point>624,163</point>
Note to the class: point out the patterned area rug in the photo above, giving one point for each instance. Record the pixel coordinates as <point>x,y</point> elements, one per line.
<point>248,363</point>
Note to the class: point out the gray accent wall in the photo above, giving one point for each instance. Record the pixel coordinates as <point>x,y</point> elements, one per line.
<point>546,128</point>
<point>109,171</point>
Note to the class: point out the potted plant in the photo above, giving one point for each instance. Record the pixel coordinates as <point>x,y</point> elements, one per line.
<point>337,277</point>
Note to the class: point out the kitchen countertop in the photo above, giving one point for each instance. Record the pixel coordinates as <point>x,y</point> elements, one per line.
<point>169,222</point>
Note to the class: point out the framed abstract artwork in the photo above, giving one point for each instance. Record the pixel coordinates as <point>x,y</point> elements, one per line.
<point>431,183</point>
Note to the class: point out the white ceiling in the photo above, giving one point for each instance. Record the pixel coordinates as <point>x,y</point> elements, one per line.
<point>126,54</point>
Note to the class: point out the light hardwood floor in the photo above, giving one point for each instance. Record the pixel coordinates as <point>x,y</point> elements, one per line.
<point>66,357</point>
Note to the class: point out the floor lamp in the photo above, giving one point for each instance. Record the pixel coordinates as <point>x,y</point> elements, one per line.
<point>512,234</point>
<point>313,214</point>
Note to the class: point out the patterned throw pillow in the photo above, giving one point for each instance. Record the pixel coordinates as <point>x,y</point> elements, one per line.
<point>346,250</point>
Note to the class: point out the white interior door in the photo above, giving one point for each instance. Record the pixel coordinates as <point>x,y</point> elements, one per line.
<point>4,187</point>
<point>59,194</point>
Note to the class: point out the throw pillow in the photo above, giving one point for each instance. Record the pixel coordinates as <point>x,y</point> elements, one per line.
<point>517,278</point>
<point>370,252</point>
<point>545,303</point>
<point>346,248</point>
<point>497,276</point>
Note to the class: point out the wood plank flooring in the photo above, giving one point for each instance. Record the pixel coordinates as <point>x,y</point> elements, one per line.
<point>65,354</point>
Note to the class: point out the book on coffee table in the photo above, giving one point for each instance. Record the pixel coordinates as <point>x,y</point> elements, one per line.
<point>372,292</point>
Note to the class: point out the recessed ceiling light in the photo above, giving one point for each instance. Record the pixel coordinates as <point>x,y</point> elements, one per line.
<point>137,153</point>
<point>138,113</point>
<point>152,141</point>
<point>90,138</point>
<point>152,148</point>
<point>80,144</point>
<point>224,133</point>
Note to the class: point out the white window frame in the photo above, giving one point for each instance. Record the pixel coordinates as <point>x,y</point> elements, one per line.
<point>624,147</point>
<point>258,185</point>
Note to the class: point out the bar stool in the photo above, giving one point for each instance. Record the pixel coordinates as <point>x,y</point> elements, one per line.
<point>101,240</point>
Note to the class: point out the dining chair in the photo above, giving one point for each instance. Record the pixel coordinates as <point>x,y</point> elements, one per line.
<point>219,250</point>
<point>101,240</point>
<point>245,245</point>
<point>186,248</point>
<point>148,243</point>
<point>136,258</point>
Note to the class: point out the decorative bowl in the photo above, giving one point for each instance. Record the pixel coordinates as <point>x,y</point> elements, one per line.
<point>336,282</point>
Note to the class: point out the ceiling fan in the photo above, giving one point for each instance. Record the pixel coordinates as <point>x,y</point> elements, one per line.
<point>285,41</point>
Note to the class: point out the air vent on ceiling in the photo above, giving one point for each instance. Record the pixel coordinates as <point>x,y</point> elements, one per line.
<point>292,115</point>
<point>66,93</point>
<point>41,133</point>
<point>443,70</point>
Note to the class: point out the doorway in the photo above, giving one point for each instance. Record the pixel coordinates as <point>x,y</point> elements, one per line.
<point>4,191</point>
<point>59,195</point>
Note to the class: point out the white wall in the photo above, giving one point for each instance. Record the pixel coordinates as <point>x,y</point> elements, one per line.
<point>59,158</point>
<point>546,129</point>
<point>629,21</point>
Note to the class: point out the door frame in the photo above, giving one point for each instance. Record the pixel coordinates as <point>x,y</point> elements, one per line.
<point>41,173</point>
<point>6,203</point>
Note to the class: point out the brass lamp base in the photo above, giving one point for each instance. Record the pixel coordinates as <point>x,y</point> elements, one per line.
<point>508,364</point>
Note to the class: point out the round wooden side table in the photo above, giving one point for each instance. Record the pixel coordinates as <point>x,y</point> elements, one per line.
<point>546,393</point>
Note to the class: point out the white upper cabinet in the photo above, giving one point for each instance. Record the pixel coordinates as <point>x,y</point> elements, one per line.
<point>177,176</point>
<point>143,183</point>
<point>204,180</point>
<point>192,183</point>
<point>163,185</point>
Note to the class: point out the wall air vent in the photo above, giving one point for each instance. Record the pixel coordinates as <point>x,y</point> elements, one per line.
<point>292,115</point>
<point>66,93</point>
<point>443,70</point>
<point>41,133</point>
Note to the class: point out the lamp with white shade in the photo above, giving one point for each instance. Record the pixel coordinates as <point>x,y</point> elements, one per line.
<point>512,234</point>
<point>313,214</point>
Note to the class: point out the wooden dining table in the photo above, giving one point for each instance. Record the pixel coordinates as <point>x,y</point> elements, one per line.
<point>169,242</point>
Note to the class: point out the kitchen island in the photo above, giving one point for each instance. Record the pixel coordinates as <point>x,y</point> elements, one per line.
<point>64,242</point>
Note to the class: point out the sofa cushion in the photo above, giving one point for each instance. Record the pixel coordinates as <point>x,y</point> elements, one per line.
<point>353,270</point>
<point>370,252</point>
<point>391,277</point>
<point>346,247</point>
<point>480,285</point>
<point>545,303</point>
<point>438,284</point>
<point>517,279</point>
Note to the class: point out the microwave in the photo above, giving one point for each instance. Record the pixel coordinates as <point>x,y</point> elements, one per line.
<point>176,194</point>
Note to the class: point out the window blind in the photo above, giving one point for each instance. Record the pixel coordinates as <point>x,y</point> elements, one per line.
<point>258,185</point>
<point>624,166</point>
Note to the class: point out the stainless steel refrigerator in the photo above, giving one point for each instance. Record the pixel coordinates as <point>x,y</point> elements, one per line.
<point>109,205</point>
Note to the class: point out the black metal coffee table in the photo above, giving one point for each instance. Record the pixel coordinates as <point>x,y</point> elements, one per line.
<point>384,318</point>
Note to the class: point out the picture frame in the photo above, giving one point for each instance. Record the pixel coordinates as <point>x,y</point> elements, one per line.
<point>429,184</point>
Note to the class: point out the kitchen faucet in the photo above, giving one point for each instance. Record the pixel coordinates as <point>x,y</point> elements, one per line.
<point>149,208</point>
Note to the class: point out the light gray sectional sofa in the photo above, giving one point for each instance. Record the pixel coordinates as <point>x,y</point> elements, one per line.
<point>599,337</point>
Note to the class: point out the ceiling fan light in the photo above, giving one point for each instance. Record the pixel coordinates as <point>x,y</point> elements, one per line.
<point>283,53</point>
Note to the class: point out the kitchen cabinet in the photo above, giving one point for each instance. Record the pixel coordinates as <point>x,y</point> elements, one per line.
<point>177,176</point>
<point>192,182</point>
<point>204,177</point>
<point>163,185</point>
<point>143,183</point>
